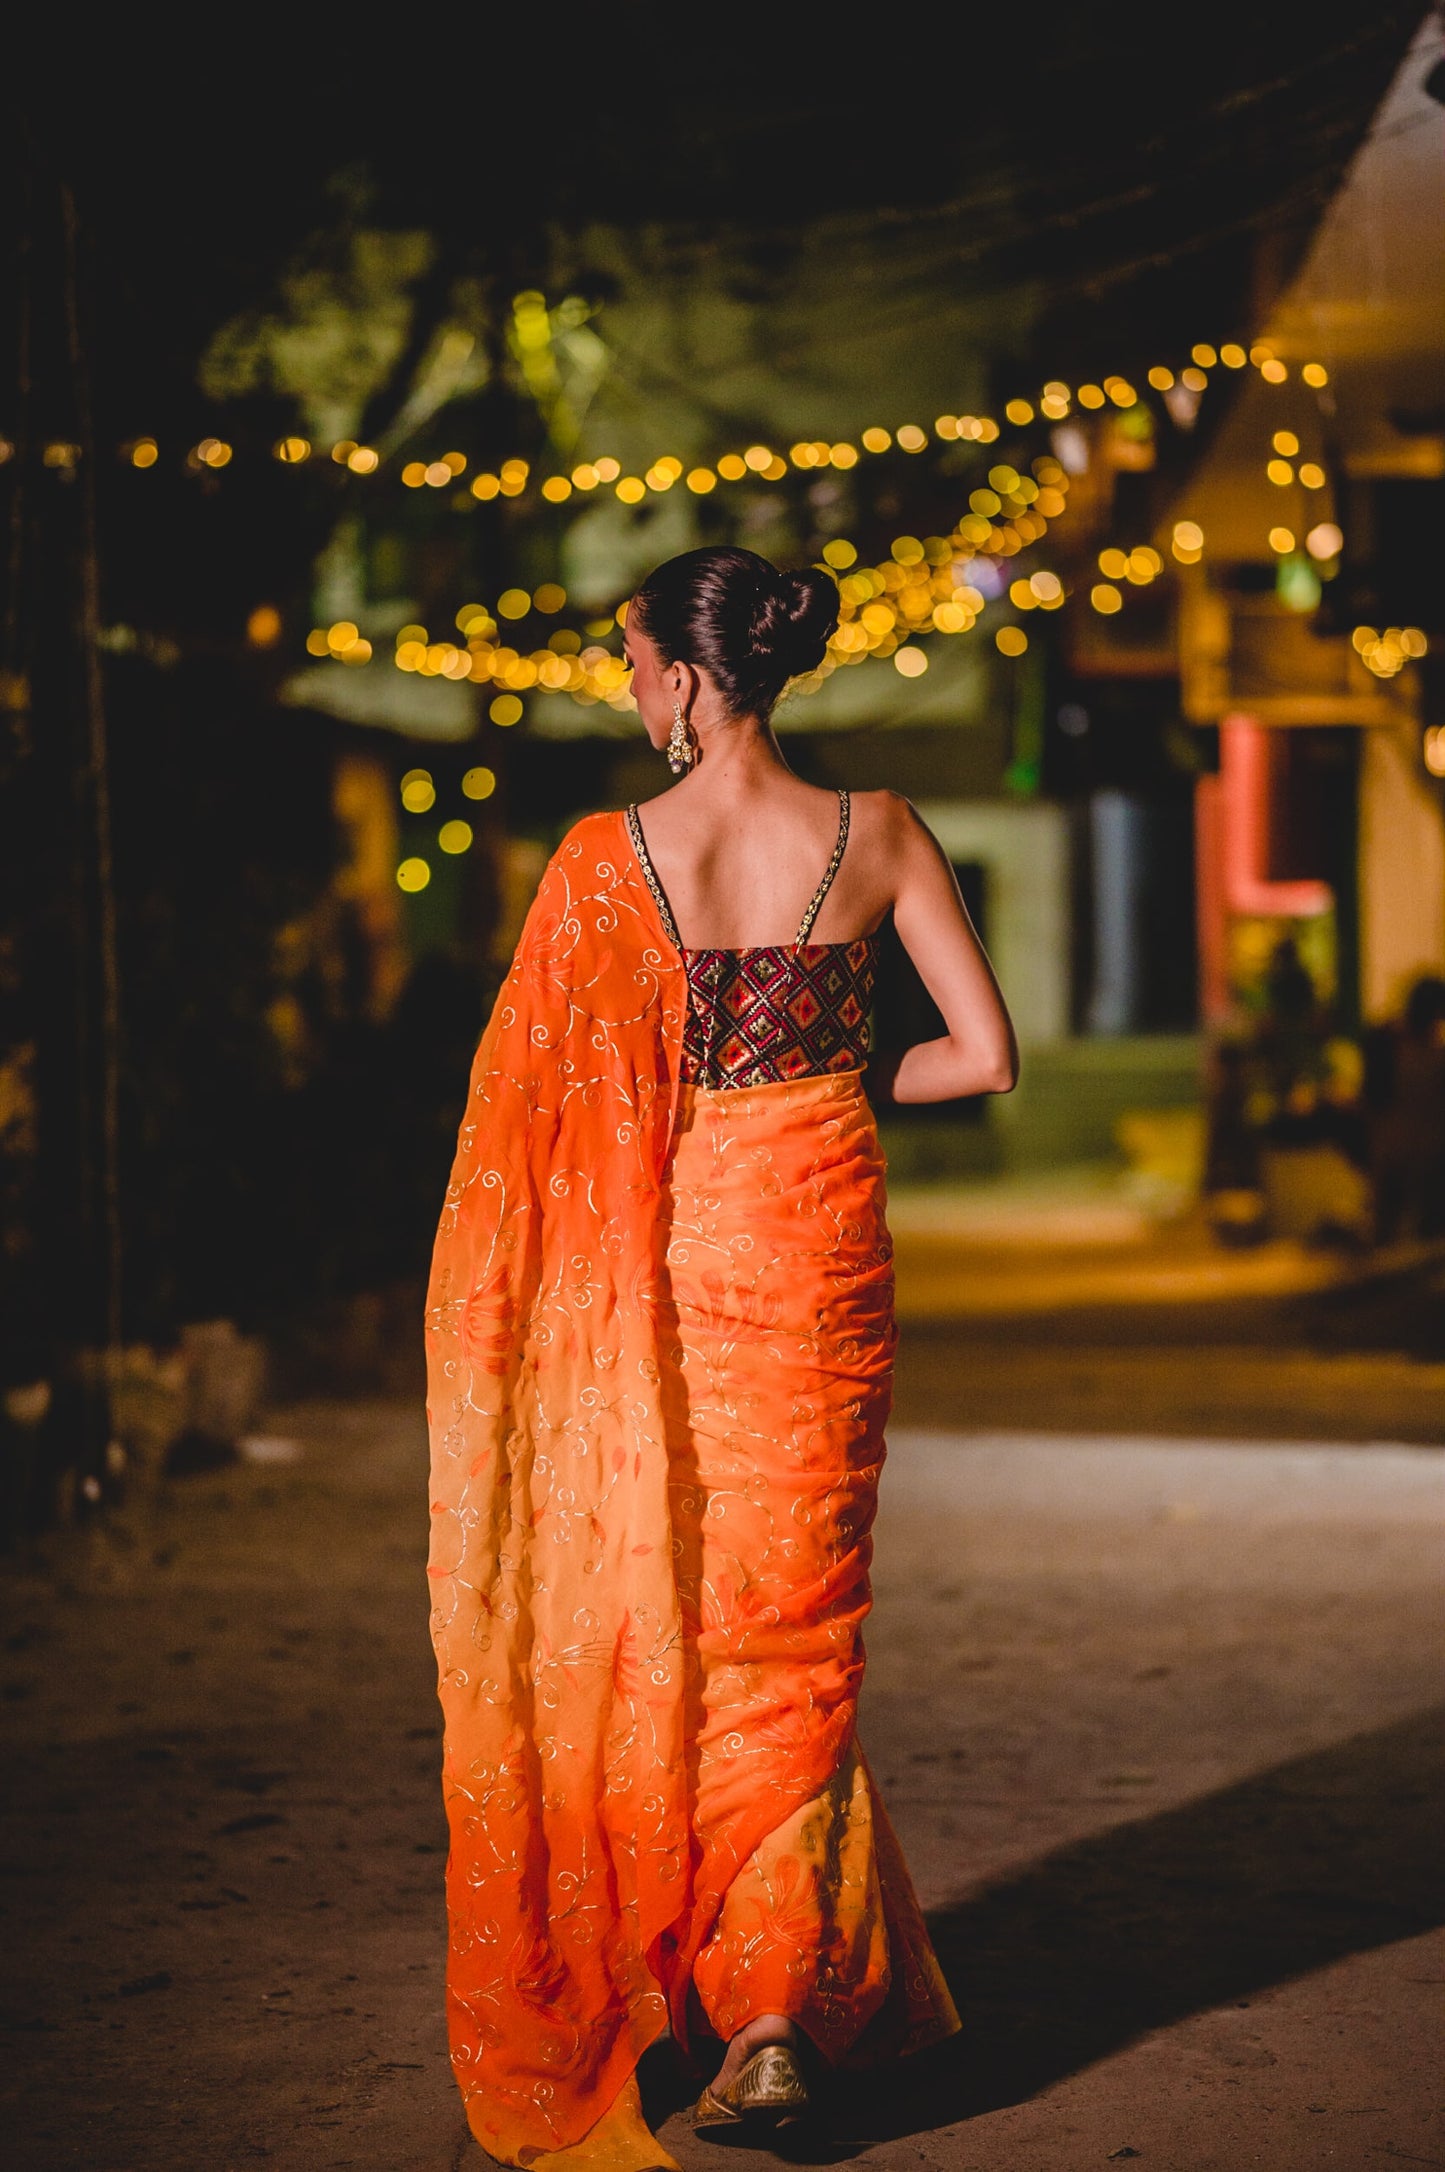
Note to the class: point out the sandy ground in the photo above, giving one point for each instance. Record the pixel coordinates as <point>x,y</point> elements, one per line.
<point>1156,1720</point>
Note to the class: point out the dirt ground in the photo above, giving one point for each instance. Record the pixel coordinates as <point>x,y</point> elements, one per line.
<point>1156,1719</point>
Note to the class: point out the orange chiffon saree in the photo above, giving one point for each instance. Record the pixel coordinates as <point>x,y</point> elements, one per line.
<point>660,1341</point>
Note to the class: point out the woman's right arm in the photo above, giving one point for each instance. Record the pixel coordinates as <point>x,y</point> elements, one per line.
<point>978,1054</point>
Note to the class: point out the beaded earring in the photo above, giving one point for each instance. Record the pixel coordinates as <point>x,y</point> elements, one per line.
<point>681,752</point>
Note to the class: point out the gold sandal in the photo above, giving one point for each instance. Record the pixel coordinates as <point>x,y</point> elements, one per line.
<point>766,2091</point>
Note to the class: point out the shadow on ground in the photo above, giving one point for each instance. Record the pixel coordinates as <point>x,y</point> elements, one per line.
<point>1102,1942</point>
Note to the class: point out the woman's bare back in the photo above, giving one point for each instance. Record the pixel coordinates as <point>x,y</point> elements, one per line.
<point>739,871</point>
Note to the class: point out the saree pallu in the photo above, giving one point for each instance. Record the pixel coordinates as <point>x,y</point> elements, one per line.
<point>659,1347</point>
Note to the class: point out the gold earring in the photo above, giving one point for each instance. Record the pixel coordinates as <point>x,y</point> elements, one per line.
<point>680,751</point>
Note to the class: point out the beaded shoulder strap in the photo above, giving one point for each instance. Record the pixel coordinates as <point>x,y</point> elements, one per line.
<point>649,873</point>
<point>815,903</point>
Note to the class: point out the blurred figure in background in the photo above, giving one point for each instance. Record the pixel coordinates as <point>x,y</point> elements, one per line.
<point>1405,1101</point>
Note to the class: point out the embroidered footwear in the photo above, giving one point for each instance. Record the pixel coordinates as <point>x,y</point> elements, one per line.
<point>767,2090</point>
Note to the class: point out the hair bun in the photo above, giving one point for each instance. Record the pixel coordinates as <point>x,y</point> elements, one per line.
<point>793,618</point>
<point>730,613</point>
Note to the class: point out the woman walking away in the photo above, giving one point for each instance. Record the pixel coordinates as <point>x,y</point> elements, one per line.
<point>660,1350</point>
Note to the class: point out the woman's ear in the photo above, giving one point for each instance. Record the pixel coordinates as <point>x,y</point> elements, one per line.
<point>683,685</point>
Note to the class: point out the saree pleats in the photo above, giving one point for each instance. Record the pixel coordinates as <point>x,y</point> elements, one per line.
<point>659,1352</point>
<point>780,1291</point>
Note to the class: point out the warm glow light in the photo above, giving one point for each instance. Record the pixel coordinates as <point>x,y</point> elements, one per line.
<point>413,875</point>
<point>1312,475</point>
<point>631,490</point>
<point>1091,396</point>
<point>1315,373</point>
<point>758,457</point>
<point>145,452</point>
<point>1434,750</point>
<point>1121,392</point>
<point>263,627</point>
<point>840,553</point>
<point>1279,471</point>
<point>1161,379</point>
<point>1325,541</point>
<point>1204,355</point>
<point>317,643</point>
<point>550,597</point>
<point>212,452</point>
<point>1188,535</point>
<point>341,636</point>
<point>1113,563</point>
<point>1281,540</point>
<point>505,710</point>
<point>438,474</point>
<point>342,450</point>
<point>946,427</point>
<point>455,836</point>
<point>876,440</point>
<point>479,783</point>
<point>557,489</point>
<point>414,475</point>
<point>1011,640</point>
<point>513,603</point>
<point>907,550</point>
<point>418,792</point>
<point>845,455</point>
<point>1018,412</point>
<point>291,451</point>
<point>1193,380</point>
<point>363,460</point>
<point>911,662</point>
<point>1233,356</point>
<point>732,467</point>
<point>1285,441</point>
<point>585,477</point>
<point>1273,372</point>
<point>1106,598</point>
<point>701,480</point>
<point>1022,597</point>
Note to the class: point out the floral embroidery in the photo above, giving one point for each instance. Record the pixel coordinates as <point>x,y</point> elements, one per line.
<point>659,1350</point>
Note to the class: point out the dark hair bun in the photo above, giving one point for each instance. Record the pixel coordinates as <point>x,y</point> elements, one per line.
<point>794,619</point>
<point>736,617</point>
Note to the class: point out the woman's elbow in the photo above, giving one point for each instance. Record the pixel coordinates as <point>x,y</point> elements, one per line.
<point>1002,1076</point>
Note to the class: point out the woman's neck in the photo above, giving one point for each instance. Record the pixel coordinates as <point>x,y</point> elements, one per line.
<point>736,756</point>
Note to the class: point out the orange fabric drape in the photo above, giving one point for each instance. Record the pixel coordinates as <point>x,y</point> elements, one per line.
<point>659,1341</point>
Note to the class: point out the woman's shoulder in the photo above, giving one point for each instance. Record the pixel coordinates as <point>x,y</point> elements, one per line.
<point>590,833</point>
<point>886,815</point>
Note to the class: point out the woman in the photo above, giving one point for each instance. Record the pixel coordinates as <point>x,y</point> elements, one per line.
<point>660,1345</point>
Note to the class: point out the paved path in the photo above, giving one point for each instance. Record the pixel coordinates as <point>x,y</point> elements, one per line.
<point>1153,1719</point>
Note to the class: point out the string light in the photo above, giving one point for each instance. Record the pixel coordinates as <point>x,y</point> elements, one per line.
<point>661,473</point>
<point>1387,653</point>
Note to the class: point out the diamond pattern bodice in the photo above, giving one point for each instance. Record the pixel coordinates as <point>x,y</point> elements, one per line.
<point>778,1011</point>
<point>757,1017</point>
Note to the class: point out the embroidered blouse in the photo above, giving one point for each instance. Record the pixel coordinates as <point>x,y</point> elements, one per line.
<point>774,1011</point>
